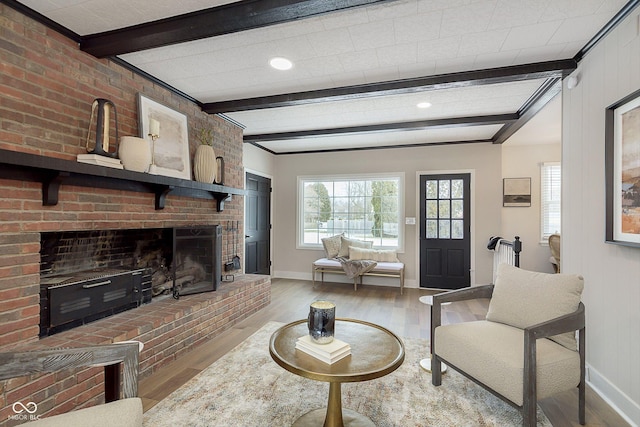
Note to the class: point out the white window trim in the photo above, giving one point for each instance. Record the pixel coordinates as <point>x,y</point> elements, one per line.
<point>349,177</point>
<point>544,236</point>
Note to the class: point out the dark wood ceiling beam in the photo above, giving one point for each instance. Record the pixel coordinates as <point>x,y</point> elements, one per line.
<point>387,127</point>
<point>538,70</point>
<point>534,104</point>
<point>380,147</point>
<point>226,19</point>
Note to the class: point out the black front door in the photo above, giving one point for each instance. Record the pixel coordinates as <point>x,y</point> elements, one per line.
<point>445,228</point>
<point>257,243</point>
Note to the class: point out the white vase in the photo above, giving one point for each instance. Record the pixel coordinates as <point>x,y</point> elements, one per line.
<point>204,164</point>
<point>134,153</point>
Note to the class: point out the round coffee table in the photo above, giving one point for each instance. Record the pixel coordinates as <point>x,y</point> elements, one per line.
<point>375,352</point>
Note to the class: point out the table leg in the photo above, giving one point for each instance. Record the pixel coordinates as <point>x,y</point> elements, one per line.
<point>334,415</point>
<point>334,407</point>
<point>426,362</point>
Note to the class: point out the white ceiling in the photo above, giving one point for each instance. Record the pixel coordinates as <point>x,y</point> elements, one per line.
<point>394,40</point>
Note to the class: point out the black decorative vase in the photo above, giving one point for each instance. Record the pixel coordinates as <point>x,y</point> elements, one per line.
<point>322,321</point>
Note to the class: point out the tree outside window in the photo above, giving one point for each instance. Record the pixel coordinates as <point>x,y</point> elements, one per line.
<point>365,208</point>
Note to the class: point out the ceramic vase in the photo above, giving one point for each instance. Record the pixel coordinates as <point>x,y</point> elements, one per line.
<point>134,153</point>
<point>204,164</point>
<point>321,322</point>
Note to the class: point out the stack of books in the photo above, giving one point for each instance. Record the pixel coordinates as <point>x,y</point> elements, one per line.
<point>96,159</point>
<point>328,353</point>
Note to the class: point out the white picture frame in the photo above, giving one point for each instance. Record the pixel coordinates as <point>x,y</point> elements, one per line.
<point>170,154</point>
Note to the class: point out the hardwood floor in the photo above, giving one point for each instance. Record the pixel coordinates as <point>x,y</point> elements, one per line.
<point>403,314</point>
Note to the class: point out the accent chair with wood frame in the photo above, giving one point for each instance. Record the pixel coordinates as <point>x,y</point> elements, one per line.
<point>554,247</point>
<point>120,363</point>
<point>526,348</point>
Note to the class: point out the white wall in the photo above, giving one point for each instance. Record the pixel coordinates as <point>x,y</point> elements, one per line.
<point>482,159</point>
<point>523,161</point>
<point>258,161</point>
<point>612,273</point>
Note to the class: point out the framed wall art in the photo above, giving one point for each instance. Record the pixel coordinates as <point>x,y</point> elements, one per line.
<point>516,192</point>
<point>169,137</point>
<point>622,170</point>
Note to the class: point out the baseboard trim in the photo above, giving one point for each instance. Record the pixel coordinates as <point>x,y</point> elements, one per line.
<point>619,402</point>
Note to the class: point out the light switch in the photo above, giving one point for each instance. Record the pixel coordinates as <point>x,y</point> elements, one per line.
<point>410,220</point>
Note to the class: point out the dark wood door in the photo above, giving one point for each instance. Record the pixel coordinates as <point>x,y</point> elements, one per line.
<point>257,243</point>
<point>445,227</point>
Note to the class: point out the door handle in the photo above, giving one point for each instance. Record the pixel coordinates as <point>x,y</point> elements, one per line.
<point>246,236</point>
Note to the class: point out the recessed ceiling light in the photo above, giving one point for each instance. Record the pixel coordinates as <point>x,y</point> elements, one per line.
<point>423,105</point>
<point>281,63</point>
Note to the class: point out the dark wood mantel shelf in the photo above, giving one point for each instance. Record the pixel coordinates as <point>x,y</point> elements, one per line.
<point>53,173</point>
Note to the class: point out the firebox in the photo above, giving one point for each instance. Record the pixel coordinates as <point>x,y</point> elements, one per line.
<point>89,275</point>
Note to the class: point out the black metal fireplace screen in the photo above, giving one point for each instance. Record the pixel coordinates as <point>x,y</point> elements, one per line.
<point>197,259</point>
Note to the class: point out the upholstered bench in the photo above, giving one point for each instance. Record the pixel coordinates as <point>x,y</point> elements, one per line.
<point>382,269</point>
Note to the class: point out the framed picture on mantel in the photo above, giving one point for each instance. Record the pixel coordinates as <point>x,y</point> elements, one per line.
<point>622,171</point>
<point>167,131</point>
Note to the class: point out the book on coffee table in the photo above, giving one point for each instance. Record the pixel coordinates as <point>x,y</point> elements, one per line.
<point>328,353</point>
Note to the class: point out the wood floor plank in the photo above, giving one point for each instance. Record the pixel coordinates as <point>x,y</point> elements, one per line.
<point>403,314</point>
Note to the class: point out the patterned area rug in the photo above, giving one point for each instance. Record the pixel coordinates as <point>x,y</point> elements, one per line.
<point>247,388</point>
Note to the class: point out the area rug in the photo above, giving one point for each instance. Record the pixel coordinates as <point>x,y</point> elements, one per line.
<point>247,388</point>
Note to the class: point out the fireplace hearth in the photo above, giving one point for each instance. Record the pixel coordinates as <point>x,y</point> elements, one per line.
<point>89,275</point>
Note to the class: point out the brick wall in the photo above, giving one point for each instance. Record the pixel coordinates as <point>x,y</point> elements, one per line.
<point>47,86</point>
<point>168,329</point>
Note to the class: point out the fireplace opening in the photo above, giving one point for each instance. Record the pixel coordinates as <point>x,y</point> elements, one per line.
<point>89,275</point>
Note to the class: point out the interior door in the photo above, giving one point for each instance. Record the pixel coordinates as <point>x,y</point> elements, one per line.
<point>445,228</point>
<point>257,243</point>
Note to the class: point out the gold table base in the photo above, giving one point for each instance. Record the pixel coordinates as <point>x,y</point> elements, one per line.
<point>333,415</point>
<point>316,418</point>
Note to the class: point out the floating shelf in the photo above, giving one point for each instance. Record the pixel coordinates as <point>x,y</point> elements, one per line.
<point>54,173</point>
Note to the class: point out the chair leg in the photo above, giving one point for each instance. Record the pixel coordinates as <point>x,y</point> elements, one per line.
<point>529,415</point>
<point>581,387</point>
<point>581,404</point>
<point>436,371</point>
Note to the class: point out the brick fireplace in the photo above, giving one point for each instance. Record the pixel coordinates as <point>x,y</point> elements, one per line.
<point>47,86</point>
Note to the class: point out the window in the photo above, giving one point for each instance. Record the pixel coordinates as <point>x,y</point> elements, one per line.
<point>550,181</point>
<point>362,207</point>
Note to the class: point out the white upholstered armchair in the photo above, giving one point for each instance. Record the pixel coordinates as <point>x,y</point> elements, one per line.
<point>526,347</point>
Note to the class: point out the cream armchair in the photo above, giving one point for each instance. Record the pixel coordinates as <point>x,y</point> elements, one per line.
<point>526,347</point>
<point>120,410</point>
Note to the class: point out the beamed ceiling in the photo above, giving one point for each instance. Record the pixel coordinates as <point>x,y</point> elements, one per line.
<point>360,67</point>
